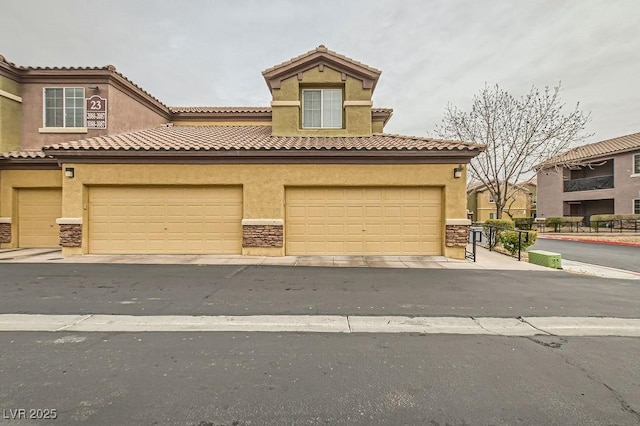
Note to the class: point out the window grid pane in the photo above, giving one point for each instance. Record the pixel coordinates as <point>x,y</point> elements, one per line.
<point>322,108</point>
<point>54,104</point>
<point>636,163</point>
<point>312,116</point>
<point>636,206</point>
<point>332,108</point>
<point>74,107</point>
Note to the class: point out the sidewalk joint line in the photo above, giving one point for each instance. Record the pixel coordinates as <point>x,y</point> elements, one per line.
<point>533,326</point>
<point>64,327</point>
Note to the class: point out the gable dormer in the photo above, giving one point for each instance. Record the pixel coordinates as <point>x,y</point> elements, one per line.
<point>321,93</point>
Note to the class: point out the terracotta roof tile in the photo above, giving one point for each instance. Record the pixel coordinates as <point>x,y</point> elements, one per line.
<point>28,154</point>
<point>595,150</point>
<point>220,138</point>
<point>225,110</point>
<point>241,109</point>
<point>322,49</point>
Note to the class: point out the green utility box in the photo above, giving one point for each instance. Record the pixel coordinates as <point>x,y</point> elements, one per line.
<point>545,258</point>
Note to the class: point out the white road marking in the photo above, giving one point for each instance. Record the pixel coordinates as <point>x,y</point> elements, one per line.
<point>527,326</point>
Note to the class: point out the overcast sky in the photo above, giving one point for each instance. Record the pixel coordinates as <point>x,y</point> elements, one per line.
<point>212,53</point>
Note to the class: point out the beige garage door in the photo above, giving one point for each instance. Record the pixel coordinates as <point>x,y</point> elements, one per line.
<point>38,210</point>
<point>172,219</point>
<point>354,221</point>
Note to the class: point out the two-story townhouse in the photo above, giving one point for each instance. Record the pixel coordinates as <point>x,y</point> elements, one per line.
<point>521,202</point>
<point>312,174</point>
<point>597,178</point>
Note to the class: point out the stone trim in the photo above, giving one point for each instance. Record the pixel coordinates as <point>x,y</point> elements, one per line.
<point>285,103</point>
<point>10,96</point>
<point>70,235</point>
<point>5,232</point>
<point>63,130</point>
<point>456,235</point>
<point>69,221</point>
<point>454,222</point>
<point>271,222</point>
<point>5,220</point>
<point>358,103</point>
<point>262,235</point>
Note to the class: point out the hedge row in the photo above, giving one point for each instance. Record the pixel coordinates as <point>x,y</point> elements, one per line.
<point>606,217</point>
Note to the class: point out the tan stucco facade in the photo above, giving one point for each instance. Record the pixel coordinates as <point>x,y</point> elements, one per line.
<point>263,187</point>
<point>287,101</point>
<point>158,181</point>
<point>518,206</point>
<point>11,181</point>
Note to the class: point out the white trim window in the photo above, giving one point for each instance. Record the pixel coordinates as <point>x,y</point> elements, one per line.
<point>636,206</point>
<point>636,164</point>
<point>322,108</point>
<point>64,106</point>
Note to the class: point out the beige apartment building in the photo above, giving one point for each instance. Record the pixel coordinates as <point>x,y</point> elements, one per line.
<point>93,163</point>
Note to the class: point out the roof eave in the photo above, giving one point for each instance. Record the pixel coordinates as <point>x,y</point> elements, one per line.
<point>264,156</point>
<point>275,76</point>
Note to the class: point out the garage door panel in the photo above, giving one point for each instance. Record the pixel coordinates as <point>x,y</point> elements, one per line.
<point>156,219</point>
<point>38,209</point>
<point>364,220</point>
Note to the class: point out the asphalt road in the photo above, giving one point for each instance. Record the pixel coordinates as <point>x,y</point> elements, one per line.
<point>613,256</point>
<point>314,379</point>
<point>257,290</point>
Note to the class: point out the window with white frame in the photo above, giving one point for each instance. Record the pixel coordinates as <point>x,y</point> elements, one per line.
<point>322,108</point>
<point>636,164</point>
<point>636,206</point>
<point>64,107</point>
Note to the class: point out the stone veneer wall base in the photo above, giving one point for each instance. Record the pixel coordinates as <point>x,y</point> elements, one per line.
<point>5,232</point>
<point>71,235</point>
<point>262,236</point>
<point>457,235</point>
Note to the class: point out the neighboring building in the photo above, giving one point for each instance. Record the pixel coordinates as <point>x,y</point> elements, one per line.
<point>522,202</point>
<point>598,178</point>
<point>93,162</point>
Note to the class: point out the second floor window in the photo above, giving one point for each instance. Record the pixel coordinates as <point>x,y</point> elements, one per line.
<point>322,108</point>
<point>64,107</point>
<point>636,164</point>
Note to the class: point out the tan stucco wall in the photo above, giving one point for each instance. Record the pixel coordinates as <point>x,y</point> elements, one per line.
<point>264,186</point>
<point>519,208</point>
<point>11,180</point>
<point>287,119</point>
<point>10,116</point>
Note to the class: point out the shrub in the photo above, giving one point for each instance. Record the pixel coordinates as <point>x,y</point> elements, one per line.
<point>523,222</point>
<point>557,222</point>
<point>499,224</point>
<point>509,240</point>
<point>608,220</point>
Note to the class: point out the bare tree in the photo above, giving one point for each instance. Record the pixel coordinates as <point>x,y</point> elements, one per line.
<point>518,134</point>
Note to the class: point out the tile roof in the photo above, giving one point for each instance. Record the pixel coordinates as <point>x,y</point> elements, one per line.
<point>108,68</point>
<point>321,49</point>
<point>240,109</point>
<point>27,154</point>
<point>252,138</point>
<point>595,150</point>
<point>225,110</point>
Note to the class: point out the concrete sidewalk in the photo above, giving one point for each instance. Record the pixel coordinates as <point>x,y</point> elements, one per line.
<point>528,326</point>
<point>485,260</point>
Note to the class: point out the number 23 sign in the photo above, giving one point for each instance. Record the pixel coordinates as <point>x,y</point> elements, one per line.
<point>96,112</point>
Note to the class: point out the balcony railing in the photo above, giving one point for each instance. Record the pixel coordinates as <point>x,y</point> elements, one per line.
<point>588,184</point>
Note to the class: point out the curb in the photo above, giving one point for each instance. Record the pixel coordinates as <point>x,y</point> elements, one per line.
<point>590,241</point>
